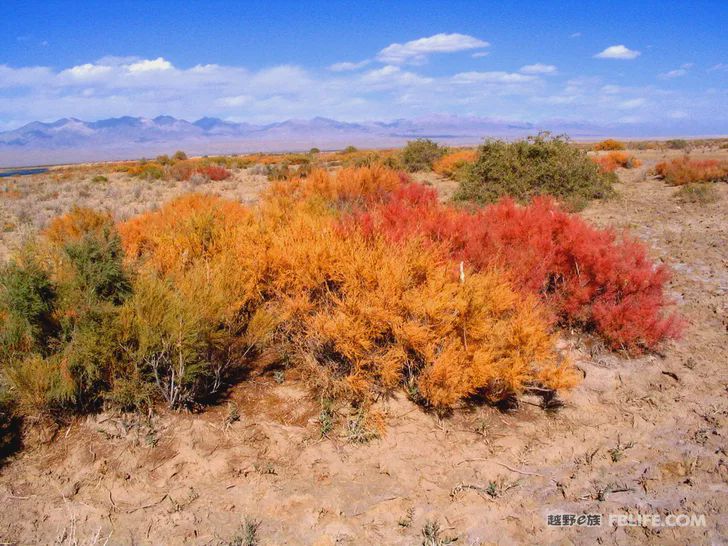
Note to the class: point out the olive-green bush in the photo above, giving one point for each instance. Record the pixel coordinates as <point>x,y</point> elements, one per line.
<point>538,165</point>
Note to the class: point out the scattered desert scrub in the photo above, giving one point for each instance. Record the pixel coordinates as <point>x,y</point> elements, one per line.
<point>677,144</point>
<point>684,170</point>
<point>588,277</point>
<point>697,192</point>
<point>611,161</point>
<point>449,164</point>
<point>535,166</point>
<point>609,145</point>
<point>420,154</point>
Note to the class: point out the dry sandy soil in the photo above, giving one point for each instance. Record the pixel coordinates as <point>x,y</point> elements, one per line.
<point>638,436</point>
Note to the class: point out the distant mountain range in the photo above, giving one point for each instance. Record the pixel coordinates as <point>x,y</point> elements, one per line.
<point>71,140</point>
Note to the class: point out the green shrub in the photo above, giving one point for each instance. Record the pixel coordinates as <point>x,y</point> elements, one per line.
<point>97,261</point>
<point>9,422</point>
<point>27,302</point>
<point>534,166</point>
<point>99,178</point>
<point>350,150</point>
<point>420,154</point>
<point>59,340</point>
<point>179,155</point>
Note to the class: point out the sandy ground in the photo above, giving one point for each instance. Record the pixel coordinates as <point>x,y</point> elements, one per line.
<point>638,436</point>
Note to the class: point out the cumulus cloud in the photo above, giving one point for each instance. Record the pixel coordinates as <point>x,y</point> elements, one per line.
<point>118,86</point>
<point>618,52</point>
<point>538,68</point>
<point>150,65</point>
<point>417,51</point>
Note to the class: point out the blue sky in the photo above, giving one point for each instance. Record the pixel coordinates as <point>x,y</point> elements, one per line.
<point>661,66</point>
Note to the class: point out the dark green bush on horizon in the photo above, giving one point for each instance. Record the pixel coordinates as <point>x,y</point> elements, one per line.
<point>538,165</point>
<point>420,154</point>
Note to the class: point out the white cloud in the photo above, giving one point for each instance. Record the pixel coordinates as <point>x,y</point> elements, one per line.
<point>480,54</point>
<point>538,68</point>
<point>492,77</point>
<point>109,87</point>
<point>348,66</point>
<point>31,75</point>
<point>238,100</point>
<point>720,67</point>
<point>416,51</point>
<point>391,76</point>
<point>631,103</point>
<point>576,35</point>
<point>150,65</point>
<point>678,114</point>
<point>87,71</point>
<point>677,73</point>
<point>618,52</point>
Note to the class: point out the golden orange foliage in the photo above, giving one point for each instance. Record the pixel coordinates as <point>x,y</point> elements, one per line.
<point>76,223</point>
<point>609,145</point>
<point>448,164</point>
<point>356,315</point>
<point>346,184</point>
<point>611,161</point>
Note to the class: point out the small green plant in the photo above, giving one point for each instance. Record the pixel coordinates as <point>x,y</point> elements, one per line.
<point>406,520</point>
<point>358,428</point>
<point>247,534</point>
<point>431,535</point>
<point>233,414</point>
<point>617,452</point>
<point>179,155</point>
<point>314,151</point>
<point>99,178</point>
<point>350,150</point>
<point>420,154</point>
<point>327,417</point>
<point>702,193</point>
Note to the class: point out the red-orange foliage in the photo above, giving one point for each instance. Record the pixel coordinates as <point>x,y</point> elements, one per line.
<point>214,172</point>
<point>587,276</point>
<point>684,170</point>
<point>611,161</point>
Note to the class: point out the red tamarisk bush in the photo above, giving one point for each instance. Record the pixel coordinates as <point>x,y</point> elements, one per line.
<point>589,277</point>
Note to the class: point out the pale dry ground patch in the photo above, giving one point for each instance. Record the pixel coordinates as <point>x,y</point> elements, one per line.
<point>645,435</point>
